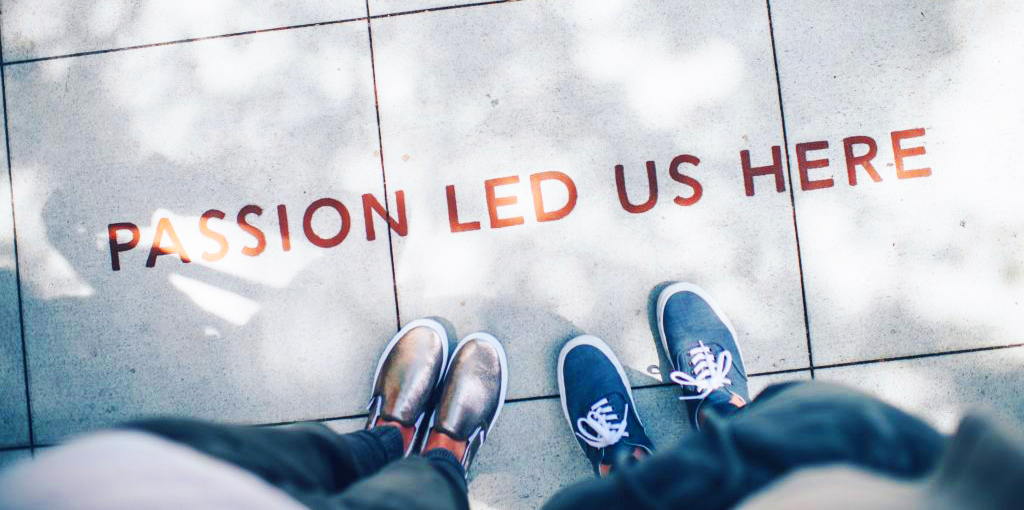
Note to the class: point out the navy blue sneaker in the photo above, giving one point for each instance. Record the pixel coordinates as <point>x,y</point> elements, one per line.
<point>701,345</point>
<point>598,404</point>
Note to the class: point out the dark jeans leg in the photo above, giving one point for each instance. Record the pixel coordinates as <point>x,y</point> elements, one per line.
<point>787,427</point>
<point>317,466</point>
<point>434,481</point>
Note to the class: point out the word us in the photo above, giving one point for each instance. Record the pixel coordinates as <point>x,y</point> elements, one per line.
<point>859,151</point>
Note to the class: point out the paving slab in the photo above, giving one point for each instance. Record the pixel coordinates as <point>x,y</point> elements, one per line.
<point>9,457</point>
<point>466,108</point>
<point>941,389</point>
<point>13,408</point>
<point>272,331</point>
<point>47,28</point>
<point>930,262</point>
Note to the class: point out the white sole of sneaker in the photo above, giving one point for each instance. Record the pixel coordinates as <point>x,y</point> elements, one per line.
<point>599,344</point>
<point>676,288</point>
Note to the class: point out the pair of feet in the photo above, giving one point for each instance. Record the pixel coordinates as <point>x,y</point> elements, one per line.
<point>699,342</point>
<point>463,397</point>
<point>437,402</point>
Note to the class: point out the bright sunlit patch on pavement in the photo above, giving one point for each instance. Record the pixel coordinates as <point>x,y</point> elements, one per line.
<point>104,18</point>
<point>474,503</point>
<point>193,17</point>
<point>227,305</point>
<point>235,69</point>
<point>459,268</point>
<point>659,81</point>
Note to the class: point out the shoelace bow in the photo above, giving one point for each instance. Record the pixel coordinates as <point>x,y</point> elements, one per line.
<point>601,420</point>
<point>710,373</point>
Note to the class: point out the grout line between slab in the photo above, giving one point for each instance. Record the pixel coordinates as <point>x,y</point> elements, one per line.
<point>648,386</point>
<point>178,41</point>
<point>919,356</point>
<point>14,243</point>
<point>547,397</point>
<point>792,194</point>
<point>318,420</point>
<point>443,8</point>
<point>383,173</point>
<point>658,385</point>
<point>525,399</point>
<point>251,32</point>
<point>757,374</point>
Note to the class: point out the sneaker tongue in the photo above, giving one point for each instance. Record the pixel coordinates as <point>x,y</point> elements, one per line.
<point>617,401</point>
<point>682,361</point>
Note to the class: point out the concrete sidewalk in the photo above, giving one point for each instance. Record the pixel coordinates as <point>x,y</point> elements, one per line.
<point>224,209</point>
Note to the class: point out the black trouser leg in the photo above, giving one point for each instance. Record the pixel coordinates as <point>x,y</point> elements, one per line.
<point>434,481</point>
<point>323,469</point>
<point>787,427</point>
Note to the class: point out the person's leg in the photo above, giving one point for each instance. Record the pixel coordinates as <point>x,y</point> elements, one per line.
<point>789,427</point>
<point>302,459</point>
<point>433,481</point>
<point>176,463</point>
<point>139,467</point>
<point>743,447</point>
<point>311,459</point>
<point>315,465</point>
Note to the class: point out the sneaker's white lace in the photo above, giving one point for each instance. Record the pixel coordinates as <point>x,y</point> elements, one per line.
<point>601,421</point>
<point>710,373</point>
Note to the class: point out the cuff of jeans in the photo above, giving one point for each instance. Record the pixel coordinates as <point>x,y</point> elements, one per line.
<point>446,456</point>
<point>449,467</point>
<point>391,439</point>
<point>441,453</point>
